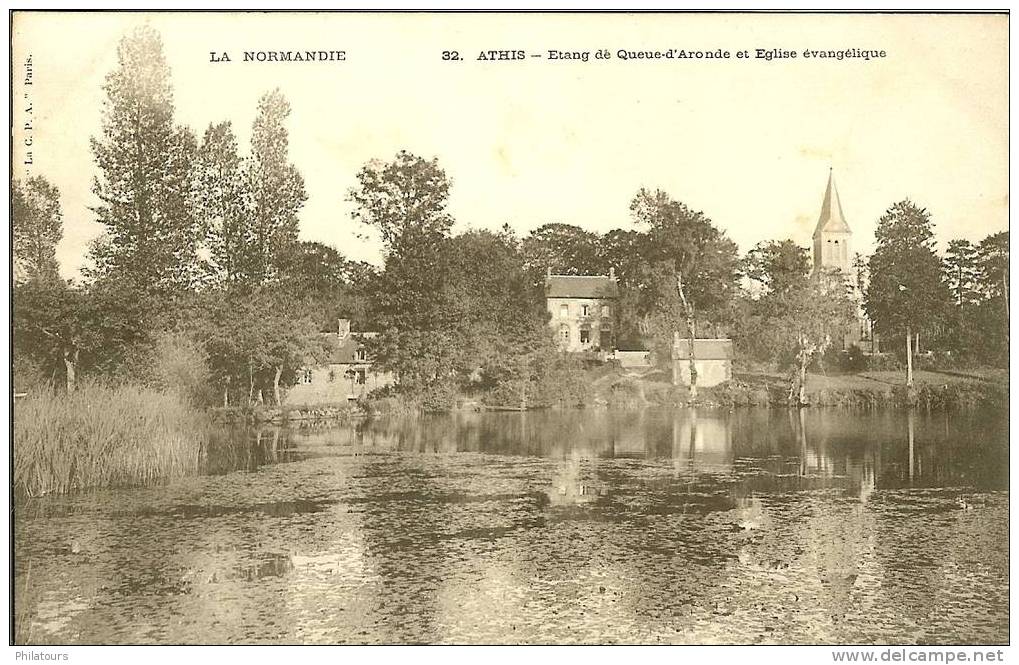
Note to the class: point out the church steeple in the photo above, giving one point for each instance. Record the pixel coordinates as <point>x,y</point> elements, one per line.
<point>832,234</point>
<point>832,218</point>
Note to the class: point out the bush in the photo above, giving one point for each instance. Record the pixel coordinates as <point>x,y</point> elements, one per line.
<point>851,398</point>
<point>508,393</point>
<point>883,362</point>
<point>936,361</point>
<point>435,396</point>
<point>438,396</point>
<point>627,392</point>
<point>737,393</point>
<point>29,374</point>
<point>174,363</point>
<point>390,400</point>
<point>854,360</point>
<point>100,436</point>
<point>563,385</point>
<point>954,395</point>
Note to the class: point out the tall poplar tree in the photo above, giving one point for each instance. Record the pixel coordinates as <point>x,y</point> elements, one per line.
<point>145,179</point>
<point>276,189</point>
<point>223,203</point>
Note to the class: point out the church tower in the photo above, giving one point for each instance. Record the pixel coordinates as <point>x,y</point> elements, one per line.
<point>831,237</point>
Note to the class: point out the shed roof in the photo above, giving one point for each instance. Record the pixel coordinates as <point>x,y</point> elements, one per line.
<point>706,349</point>
<point>581,286</point>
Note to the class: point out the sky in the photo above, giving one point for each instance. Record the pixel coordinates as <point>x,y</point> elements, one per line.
<point>524,142</point>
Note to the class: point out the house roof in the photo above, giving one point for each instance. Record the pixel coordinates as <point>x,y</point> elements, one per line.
<point>706,349</point>
<point>342,350</point>
<point>832,219</point>
<point>581,286</point>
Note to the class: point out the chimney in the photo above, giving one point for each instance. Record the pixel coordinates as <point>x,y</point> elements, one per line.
<point>548,272</point>
<point>343,328</point>
<point>612,273</point>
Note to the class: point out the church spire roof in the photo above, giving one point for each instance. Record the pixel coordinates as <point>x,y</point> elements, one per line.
<point>832,219</point>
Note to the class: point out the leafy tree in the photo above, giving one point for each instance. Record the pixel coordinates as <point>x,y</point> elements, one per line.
<point>322,282</point>
<point>255,342</point>
<point>277,190</point>
<point>311,267</point>
<point>961,272</point>
<point>961,276</point>
<point>71,330</point>
<point>691,270</point>
<point>776,265</point>
<point>564,249</point>
<point>620,249</point>
<point>37,227</point>
<point>812,315</point>
<point>223,203</point>
<point>992,267</point>
<point>861,273</point>
<point>992,315</point>
<point>456,307</point>
<point>145,181</point>
<point>491,302</point>
<point>405,200</point>
<point>46,327</point>
<point>446,306</point>
<point>907,292</point>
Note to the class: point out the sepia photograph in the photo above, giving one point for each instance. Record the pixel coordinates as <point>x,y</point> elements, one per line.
<point>510,328</point>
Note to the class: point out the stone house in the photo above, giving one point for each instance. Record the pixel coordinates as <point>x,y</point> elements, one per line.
<point>345,374</point>
<point>582,310</point>
<point>712,357</point>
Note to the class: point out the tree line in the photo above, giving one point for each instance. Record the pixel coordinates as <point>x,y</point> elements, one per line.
<point>199,278</point>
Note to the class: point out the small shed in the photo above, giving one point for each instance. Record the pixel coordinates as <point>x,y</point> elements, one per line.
<point>712,357</point>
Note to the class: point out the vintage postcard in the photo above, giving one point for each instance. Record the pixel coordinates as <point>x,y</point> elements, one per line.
<point>510,328</point>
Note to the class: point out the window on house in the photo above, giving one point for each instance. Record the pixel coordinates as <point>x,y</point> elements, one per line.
<point>564,311</point>
<point>605,339</point>
<point>360,377</point>
<point>585,310</point>
<point>361,355</point>
<point>306,376</point>
<point>585,336</point>
<point>564,334</point>
<point>605,311</point>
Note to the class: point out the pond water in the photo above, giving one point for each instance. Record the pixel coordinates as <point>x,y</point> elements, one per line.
<point>657,526</point>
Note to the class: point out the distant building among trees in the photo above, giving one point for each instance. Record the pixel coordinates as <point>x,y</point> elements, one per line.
<point>582,308</point>
<point>344,373</point>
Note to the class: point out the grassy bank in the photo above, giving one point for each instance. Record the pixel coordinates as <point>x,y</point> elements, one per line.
<point>101,437</point>
<point>610,386</point>
<point>869,390</point>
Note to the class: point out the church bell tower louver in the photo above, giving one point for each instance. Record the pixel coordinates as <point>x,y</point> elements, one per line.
<point>832,234</point>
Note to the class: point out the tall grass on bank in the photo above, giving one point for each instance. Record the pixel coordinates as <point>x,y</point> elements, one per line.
<point>102,436</point>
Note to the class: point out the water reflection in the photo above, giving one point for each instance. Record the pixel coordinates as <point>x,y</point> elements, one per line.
<point>594,526</point>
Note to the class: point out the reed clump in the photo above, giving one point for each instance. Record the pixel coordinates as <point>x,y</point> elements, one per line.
<point>103,436</point>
